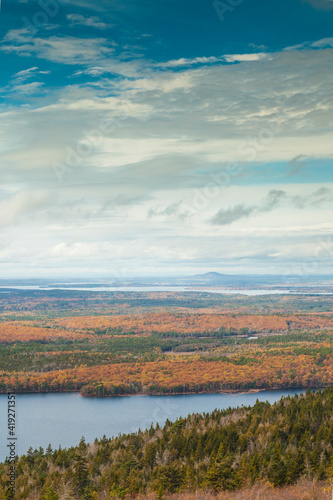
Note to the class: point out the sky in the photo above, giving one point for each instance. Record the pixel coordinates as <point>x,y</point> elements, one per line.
<point>161,138</point>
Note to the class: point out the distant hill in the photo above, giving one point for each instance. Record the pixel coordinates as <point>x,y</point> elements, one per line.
<point>211,275</point>
<point>214,278</point>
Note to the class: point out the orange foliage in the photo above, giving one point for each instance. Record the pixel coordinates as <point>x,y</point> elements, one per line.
<point>21,332</point>
<point>193,374</point>
<point>80,327</point>
<point>187,323</point>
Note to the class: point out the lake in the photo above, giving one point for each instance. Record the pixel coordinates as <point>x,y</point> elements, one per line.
<point>182,289</point>
<point>61,419</point>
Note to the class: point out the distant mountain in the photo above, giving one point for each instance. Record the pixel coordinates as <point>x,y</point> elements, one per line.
<point>212,278</point>
<point>209,276</point>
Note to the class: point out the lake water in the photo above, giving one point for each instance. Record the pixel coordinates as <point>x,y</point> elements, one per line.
<point>140,289</point>
<point>61,419</point>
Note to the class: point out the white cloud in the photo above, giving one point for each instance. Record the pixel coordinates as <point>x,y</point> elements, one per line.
<point>176,63</point>
<point>93,21</point>
<point>193,114</point>
<point>274,199</point>
<point>27,88</point>
<point>66,50</point>
<point>184,62</point>
<point>18,81</point>
<point>22,205</point>
<point>245,57</point>
<point>172,132</point>
<point>26,73</point>
<point>323,43</point>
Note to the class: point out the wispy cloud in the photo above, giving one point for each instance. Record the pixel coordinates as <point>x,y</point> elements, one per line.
<point>27,88</point>
<point>25,74</point>
<point>230,215</point>
<point>65,50</point>
<point>91,22</point>
<point>273,200</point>
<point>175,130</point>
<point>229,58</point>
<point>323,43</point>
<point>19,82</point>
<point>183,62</point>
<point>258,56</point>
<point>174,211</point>
<point>22,205</point>
<point>297,164</point>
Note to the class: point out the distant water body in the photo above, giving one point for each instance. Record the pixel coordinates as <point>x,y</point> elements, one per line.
<point>138,289</point>
<point>61,419</point>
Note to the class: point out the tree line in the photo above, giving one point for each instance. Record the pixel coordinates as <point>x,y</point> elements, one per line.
<point>221,451</point>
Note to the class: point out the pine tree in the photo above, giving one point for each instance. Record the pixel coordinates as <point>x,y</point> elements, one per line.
<point>81,468</point>
<point>221,475</point>
<point>49,494</point>
<point>49,450</point>
<point>30,456</point>
<point>277,471</point>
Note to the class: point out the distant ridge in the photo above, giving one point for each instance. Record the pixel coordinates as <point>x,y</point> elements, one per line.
<point>211,274</point>
<point>214,278</point>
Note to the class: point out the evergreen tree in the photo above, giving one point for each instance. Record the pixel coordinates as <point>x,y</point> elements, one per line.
<point>221,475</point>
<point>49,450</point>
<point>80,476</point>
<point>49,494</point>
<point>277,471</point>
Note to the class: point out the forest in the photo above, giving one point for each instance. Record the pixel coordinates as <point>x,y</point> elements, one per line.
<point>103,344</point>
<point>284,450</point>
<point>108,345</point>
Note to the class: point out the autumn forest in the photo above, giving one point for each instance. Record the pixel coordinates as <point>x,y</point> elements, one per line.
<point>159,343</point>
<point>124,343</point>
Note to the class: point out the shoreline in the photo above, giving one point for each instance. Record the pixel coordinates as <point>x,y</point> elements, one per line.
<point>201,393</point>
<point>160,394</point>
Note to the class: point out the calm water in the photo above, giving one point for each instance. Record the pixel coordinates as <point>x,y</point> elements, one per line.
<point>138,289</point>
<point>64,418</point>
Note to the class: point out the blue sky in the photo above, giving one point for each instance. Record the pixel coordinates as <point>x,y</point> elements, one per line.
<point>165,137</point>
